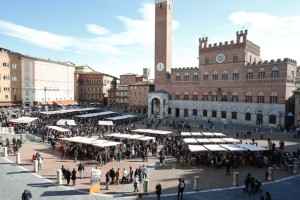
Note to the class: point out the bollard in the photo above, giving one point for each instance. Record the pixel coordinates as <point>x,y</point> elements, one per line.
<point>146,186</point>
<point>235,179</point>
<point>18,158</point>
<point>59,177</point>
<point>296,168</point>
<point>270,170</point>
<point>35,166</point>
<point>196,183</point>
<point>5,152</point>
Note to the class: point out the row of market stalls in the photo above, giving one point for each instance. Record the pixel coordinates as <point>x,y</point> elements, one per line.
<point>91,141</point>
<point>224,148</point>
<point>202,134</point>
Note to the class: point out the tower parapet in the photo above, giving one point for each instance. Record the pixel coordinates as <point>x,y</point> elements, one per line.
<point>268,62</point>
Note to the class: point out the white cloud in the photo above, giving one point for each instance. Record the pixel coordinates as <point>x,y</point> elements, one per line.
<point>97,30</point>
<point>278,35</point>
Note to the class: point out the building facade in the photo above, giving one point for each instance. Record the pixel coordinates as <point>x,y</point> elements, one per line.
<point>10,78</point>
<point>79,70</point>
<point>46,81</point>
<point>93,87</point>
<point>231,83</point>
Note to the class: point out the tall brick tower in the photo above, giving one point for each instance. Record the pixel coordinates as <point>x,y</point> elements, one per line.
<point>163,42</point>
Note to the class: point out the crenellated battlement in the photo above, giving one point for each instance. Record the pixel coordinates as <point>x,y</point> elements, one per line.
<point>9,51</point>
<point>185,68</point>
<point>268,62</point>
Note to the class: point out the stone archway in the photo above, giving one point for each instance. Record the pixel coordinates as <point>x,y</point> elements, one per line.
<point>259,118</point>
<point>155,107</point>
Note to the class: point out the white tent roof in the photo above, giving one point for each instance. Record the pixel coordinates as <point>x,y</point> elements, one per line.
<point>207,134</point>
<point>92,141</point>
<point>196,134</point>
<point>185,134</point>
<point>105,123</point>
<point>107,144</point>
<point>59,129</point>
<point>231,140</point>
<point>152,131</point>
<point>23,120</point>
<point>232,147</point>
<point>121,117</point>
<point>67,111</point>
<point>219,134</point>
<point>63,122</point>
<point>203,140</point>
<point>197,148</point>
<point>95,114</point>
<point>217,140</point>
<point>190,140</point>
<point>251,147</point>
<point>129,136</point>
<point>214,147</point>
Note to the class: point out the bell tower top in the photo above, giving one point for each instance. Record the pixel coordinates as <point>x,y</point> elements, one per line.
<point>163,42</point>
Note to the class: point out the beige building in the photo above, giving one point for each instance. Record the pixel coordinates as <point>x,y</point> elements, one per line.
<point>79,70</point>
<point>10,79</point>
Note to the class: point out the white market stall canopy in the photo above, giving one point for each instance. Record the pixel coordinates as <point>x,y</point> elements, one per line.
<point>202,134</point>
<point>121,117</point>
<point>252,147</point>
<point>196,134</point>
<point>197,148</point>
<point>105,123</point>
<point>186,134</point>
<point>23,120</point>
<point>152,131</point>
<point>214,147</point>
<point>190,140</point>
<point>96,114</point>
<point>231,140</point>
<point>207,134</point>
<point>67,111</point>
<point>91,141</point>
<point>63,122</point>
<point>59,129</point>
<point>129,136</point>
<point>203,140</point>
<point>232,147</point>
<point>217,140</point>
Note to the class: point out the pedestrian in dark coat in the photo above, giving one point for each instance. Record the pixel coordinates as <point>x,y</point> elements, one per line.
<point>158,190</point>
<point>227,164</point>
<point>26,195</point>
<point>112,175</point>
<point>107,179</point>
<point>74,176</point>
<point>68,176</point>
<point>181,186</point>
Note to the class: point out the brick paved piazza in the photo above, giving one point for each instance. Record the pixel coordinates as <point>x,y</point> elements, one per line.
<point>168,175</point>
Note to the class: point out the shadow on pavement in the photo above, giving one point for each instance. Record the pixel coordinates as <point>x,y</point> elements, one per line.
<point>44,185</point>
<point>19,172</point>
<point>61,193</point>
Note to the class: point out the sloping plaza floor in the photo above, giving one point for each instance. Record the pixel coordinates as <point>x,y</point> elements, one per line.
<point>210,178</point>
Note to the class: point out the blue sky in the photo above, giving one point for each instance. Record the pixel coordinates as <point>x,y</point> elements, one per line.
<point>117,36</point>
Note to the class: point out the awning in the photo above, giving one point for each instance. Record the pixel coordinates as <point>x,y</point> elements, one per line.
<point>63,122</point>
<point>214,147</point>
<point>23,120</point>
<point>196,134</point>
<point>251,147</point>
<point>233,147</point>
<point>6,104</point>
<point>190,140</point>
<point>58,128</point>
<point>105,123</point>
<point>43,103</point>
<point>49,102</point>
<point>58,103</point>
<point>68,102</point>
<point>185,134</point>
<point>197,148</point>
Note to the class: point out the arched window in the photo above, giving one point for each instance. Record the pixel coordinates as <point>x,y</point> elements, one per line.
<point>223,114</point>
<point>235,97</point>
<point>214,113</point>
<point>195,77</point>
<point>204,113</point>
<point>205,76</point>
<point>235,75</point>
<point>260,98</point>
<point>235,58</point>
<point>249,75</point>
<point>234,115</point>
<point>261,74</point>
<point>195,96</point>
<point>177,96</point>
<point>248,116</point>
<point>215,76</point>
<point>273,98</point>
<point>249,97</point>
<point>275,73</point>
<point>272,119</point>
<point>214,97</point>
<point>177,77</point>
<point>186,96</point>
<point>224,96</point>
<point>205,96</point>
<point>225,76</point>
<point>186,77</point>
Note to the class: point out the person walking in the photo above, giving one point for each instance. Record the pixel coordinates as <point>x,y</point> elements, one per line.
<point>107,179</point>
<point>181,186</point>
<point>158,190</point>
<point>112,175</point>
<point>40,162</point>
<point>117,176</point>
<point>136,184</point>
<point>80,169</point>
<point>26,195</point>
<point>74,176</point>
<point>227,164</point>
<point>68,176</point>
<point>247,182</point>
